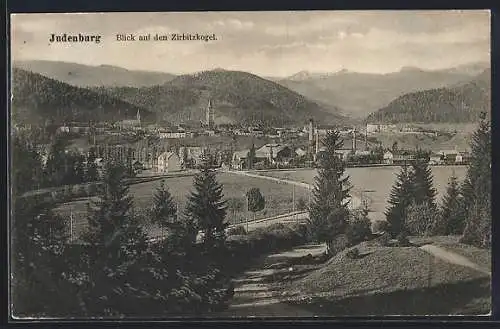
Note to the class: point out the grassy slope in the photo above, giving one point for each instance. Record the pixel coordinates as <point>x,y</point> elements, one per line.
<point>278,197</point>
<point>482,257</point>
<point>390,281</point>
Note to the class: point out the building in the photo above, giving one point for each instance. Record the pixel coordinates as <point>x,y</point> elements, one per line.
<point>436,159</point>
<point>403,157</point>
<point>380,128</point>
<point>131,124</point>
<point>239,159</point>
<point>172,134</point>
<point>388,157</point>
<point>275,153</point>
<point>300,152</point>
<point>168,162</point>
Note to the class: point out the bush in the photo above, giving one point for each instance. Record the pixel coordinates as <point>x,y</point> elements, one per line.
<point>353,253</point>
<point>238,230</point>
<point>339,243</point>
<point>384,240</point>
<point>403,240</point>
<point>380,226</point>
<point>358,230</point>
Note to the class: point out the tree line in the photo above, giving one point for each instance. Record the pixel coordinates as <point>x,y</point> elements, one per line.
<point>114,269</point>
<point>61,166</point>
<point>465,208</point>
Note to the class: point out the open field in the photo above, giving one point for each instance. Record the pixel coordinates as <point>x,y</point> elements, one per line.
<point>376,182</point>
<point>278,197</point>
<point>388,280</point>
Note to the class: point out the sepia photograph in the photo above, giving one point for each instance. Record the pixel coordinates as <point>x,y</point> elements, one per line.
<point>233,165</point>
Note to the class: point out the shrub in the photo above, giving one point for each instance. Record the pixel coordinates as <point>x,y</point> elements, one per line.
<point>403,240</point>
<point>380,226</point>
<point>384,240</point>
<point>358,230</point>
<point>238,230</point>
<point>340,243</point>
<point>353,253</point>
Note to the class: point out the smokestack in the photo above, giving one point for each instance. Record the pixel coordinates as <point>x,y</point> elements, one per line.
<point>317,141</point>
<point>354,139</point>
<point>311,137</point>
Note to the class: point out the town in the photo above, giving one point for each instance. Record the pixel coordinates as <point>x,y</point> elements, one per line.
<point>153,149</point>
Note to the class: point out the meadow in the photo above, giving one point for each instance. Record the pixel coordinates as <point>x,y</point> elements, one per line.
<point>278,199</point>
<point>374,183</point>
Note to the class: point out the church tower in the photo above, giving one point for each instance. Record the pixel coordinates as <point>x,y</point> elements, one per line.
<point>209,119</point>
<point>139,116</point>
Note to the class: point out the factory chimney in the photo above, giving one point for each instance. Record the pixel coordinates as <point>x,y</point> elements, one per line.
<point>311,131</point>
<point>354,139</point>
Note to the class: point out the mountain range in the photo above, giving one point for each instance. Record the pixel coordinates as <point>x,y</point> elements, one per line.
<point>36,99</point>
<point>92,76</point>
<point>237,97</point>
<point>457,104</point>
<point>241,97</point>
<point>359,94</point>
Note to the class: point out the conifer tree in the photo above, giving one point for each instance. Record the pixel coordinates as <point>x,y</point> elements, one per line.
<point>91,171</point>
<point>116,248</point>
<point>27,173</point>
<point>251,157</point>
<point>452,209</point>
<point>477,188</point>
<point>423,189</point>
<point>57,164</point>
<point>40,285</point>
<point>400,198</point>
<point>328,212</point>
<point>206,206</point>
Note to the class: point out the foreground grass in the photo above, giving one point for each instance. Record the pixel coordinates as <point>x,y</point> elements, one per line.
<point>389,281</point>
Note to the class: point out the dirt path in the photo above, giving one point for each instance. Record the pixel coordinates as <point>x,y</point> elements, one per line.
<point>254,295</point>
<point>453,258</point>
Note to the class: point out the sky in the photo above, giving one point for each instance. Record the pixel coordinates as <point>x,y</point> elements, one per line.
<point>266,43</point>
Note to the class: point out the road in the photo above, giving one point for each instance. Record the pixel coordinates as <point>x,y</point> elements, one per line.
<point>254,294</point>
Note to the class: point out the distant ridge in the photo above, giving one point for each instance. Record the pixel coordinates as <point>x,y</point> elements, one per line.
<point>459,104</point>
<point>37,98</point>
<point>239,97</point>
<point>92,76</point>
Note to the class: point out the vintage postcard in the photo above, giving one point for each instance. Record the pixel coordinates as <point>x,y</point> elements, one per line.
<point>250,164</point>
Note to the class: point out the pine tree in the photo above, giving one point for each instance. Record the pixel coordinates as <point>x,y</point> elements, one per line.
<point>40,285</point>
<point>251,157</point>
<point>452,210</point>
<point>164,211</point>
<point>477,188</point>
<point>91,170</point>
<point>423,190</point>
<point>207,208</point>
<point>57,162</point>
<point>400,198</point>
<point>328,212</point>
<point>27,168</point>
<point>116,247</point>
